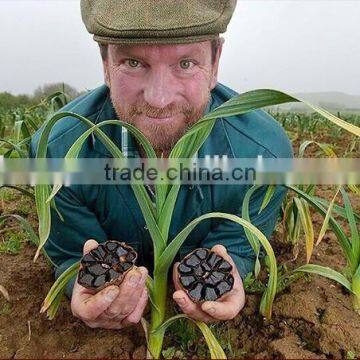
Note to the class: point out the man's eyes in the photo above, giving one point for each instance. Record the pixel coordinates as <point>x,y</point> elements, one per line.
<point>187,64</point>
<point>184,64</point>
<point>132,63</point>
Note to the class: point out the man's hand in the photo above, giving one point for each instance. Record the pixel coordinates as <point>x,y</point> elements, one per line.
<point>114,307</point>
<point>210,311</point>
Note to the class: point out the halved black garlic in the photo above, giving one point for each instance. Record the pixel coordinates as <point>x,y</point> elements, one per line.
<point>107,264</point>
<point>205,276</point>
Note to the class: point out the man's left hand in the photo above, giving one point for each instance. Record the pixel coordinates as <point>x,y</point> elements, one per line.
<point>226,308</point>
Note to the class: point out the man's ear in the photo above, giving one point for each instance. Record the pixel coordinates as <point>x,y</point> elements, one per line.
<point>106,73</point>
<point>216,63</point>
<point>105,53</point>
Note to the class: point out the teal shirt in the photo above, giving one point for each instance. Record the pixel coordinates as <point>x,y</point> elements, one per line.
<point>103,212</point>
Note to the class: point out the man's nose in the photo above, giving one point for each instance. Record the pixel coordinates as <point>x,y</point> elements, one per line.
<point>160,89</point>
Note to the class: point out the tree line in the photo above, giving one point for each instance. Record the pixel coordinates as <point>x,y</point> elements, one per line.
<point>9,101</point>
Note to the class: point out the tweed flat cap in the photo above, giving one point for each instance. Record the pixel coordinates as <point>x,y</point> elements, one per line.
<point>156,21</point>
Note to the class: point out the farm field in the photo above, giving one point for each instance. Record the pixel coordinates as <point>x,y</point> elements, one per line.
<point>313,316</point>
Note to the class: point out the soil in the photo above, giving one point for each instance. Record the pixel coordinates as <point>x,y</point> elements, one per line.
<point>312,318</point>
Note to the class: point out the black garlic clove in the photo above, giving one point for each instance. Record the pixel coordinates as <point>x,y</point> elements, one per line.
<point>105,265</point>
<point>205,276</point>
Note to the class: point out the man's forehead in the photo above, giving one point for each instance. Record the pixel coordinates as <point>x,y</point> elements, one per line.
<point>156,50</point>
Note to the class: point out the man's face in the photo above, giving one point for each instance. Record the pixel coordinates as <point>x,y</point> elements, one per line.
<point>161,89</point>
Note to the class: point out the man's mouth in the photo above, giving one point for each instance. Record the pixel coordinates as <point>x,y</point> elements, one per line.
<point>161,118</point>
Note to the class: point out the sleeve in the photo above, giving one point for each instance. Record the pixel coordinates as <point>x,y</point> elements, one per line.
<point>67,237</point>
<point>232,235</point>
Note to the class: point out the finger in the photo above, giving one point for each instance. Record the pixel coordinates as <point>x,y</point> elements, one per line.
<point>80,293</point>
<point>236,296</point>
<point>221,250</point>
<point>94,305</point>
<point>136,315</point>
<point>176,276</point>
<point>225,310</point>
<point>189,307</point>
<point>130,292</point>
<point>90,245</point>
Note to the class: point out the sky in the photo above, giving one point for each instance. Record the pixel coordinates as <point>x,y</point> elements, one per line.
<point>290,45</point>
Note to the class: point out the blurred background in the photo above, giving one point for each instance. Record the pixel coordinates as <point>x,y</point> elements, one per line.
<point>309,46</point>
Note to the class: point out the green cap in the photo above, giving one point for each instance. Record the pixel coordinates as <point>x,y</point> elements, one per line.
<point>156,21</point>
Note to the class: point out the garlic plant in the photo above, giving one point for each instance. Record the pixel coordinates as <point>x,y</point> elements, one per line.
<point>158,219</point>
<point>350,276</point>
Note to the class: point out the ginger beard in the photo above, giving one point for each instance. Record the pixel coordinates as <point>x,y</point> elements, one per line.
<point>162,136</point>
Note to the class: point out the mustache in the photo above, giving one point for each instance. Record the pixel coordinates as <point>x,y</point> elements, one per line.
<point>168,111</point>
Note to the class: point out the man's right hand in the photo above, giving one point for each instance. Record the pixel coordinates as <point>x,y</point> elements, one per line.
<point>115,306</point>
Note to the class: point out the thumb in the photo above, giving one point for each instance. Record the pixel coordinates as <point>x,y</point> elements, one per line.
<point>176,277</point>
<point>96,304</point>
<point>221,250</point>
<point>90,245</point>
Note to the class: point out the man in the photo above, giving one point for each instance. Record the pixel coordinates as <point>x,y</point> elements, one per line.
<point>160,62</point>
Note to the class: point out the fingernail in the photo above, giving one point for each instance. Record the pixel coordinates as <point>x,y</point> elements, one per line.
<point>181,301</point>
<point>112,294</point>
<point>144,275</point>
<point>134,280</point>
<point>211,310</point>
